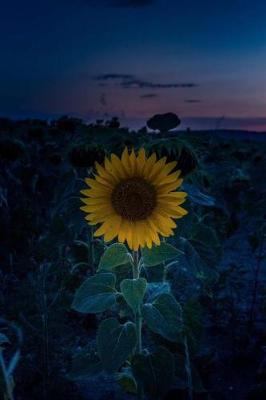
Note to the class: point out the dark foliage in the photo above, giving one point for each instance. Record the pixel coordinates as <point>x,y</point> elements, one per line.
<point>47,250</point>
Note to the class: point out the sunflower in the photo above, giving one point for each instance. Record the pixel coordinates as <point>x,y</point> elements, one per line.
<point>134,198</point>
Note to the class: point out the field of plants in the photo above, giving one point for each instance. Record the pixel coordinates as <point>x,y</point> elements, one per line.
<point>202,291</point>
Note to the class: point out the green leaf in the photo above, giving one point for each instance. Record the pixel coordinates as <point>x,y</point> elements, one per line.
<point>156,288</point>
<point>85,366</point>
<point>197,196</point>
<point>96,294</point>
<point>164,317</point>
<point>115,343</point>
<point>122,308</point>
<point>3,339</point>
<point>127,381</point>
<point>154,372</point>
<point>199,259</point>
<point>115,255</point>
<point>158,254</point>
<point>133,291</point>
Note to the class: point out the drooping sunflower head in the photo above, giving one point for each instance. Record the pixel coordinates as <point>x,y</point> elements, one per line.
<point>134,198</point>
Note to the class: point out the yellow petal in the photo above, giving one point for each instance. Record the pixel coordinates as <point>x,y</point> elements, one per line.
<point>103,213</point>
<point>176,211</point>
<point>101,231</point>
<point>141,232</point>
<point>109,224</point>
<point>173,195</point>
<point>169,201</point>
<point>168,222</point>
<point>122,231</point>
<point>105,174</point>
<point>95,201</point>
<point>133,162</point>
<point>129,235</point>
<point>96,193</point>
<point>156,168</point>
<point>155,237</point>
<point>94,221</point>
<point>145,234</point>
<point>105,181</point>
<point>165,171</point>
<point>118,167</point>
<point>149,164</point>
<point>97,185</point>
<point>125,161</point>
<point>98,208</point>
<point>141,159</point>
<point>100,217</point>
<point>109,168</point>
<point>153,232</point>
<point>169,178</point>
<point>162,224</point>
<point>148,240</point>
<point>169,186</point>
<point>135,237</point>
<point>114,225</point>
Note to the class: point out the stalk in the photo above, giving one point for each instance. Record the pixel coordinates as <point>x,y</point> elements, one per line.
<point>9,391</point>
<point>138,317</point>
<point>188,370</point>
<point>135,265</point>
<point>92,252</point>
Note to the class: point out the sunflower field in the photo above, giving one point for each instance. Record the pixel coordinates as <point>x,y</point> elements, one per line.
<point>132,263</point>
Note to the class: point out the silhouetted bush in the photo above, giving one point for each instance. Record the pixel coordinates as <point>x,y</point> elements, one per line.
<point>163,122</point>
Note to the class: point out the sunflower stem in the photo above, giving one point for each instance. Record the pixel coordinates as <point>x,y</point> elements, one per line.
<point>138,316</point>
<point>135,265</point>
<point>92,255</point>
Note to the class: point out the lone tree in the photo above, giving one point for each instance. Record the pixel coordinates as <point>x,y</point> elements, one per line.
<point>163,122</point>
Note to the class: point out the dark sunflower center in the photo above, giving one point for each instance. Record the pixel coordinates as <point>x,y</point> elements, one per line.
<point>134,199</point>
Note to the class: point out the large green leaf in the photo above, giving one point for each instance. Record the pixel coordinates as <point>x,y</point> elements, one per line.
<point>197,196</point>
<point>115,255</point>
<point>115,343</point>
<point>200,259</point>
<point>96,294</point>
<point>155,288</point>
<point>164,316</point>
<point>154,372</point>
<point>84,366</point>
<point>133,291</point>
<point>158,254</point>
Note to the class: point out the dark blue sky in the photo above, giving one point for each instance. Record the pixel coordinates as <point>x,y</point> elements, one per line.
<point>133,58</point>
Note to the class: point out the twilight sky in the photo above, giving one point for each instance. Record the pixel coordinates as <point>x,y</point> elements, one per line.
<point>203,59</point>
